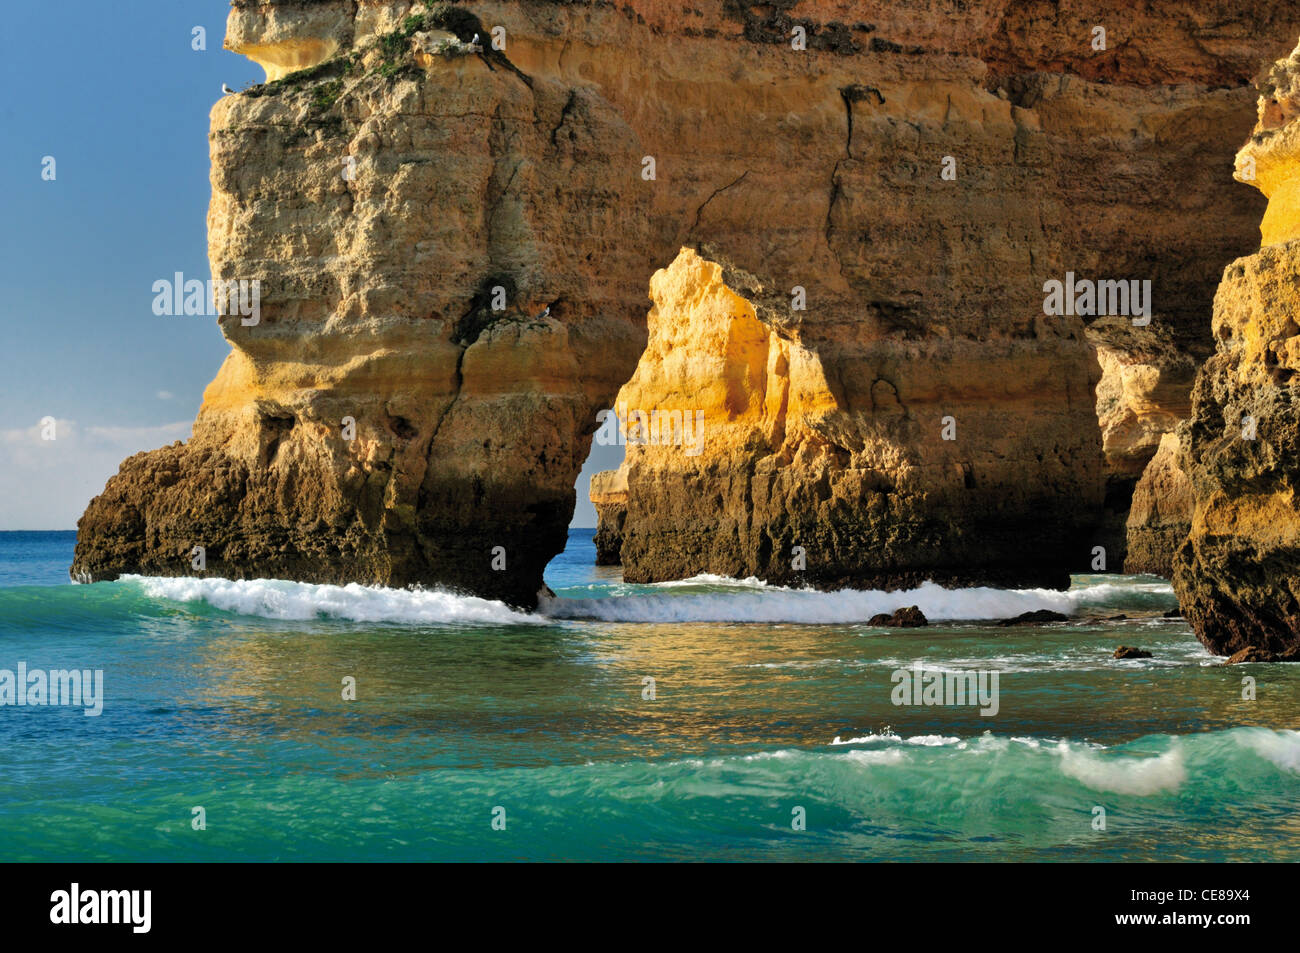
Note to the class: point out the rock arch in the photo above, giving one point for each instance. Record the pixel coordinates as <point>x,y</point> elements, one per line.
<point>523,168</point>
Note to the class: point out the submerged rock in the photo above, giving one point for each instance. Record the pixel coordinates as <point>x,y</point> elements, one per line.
<point>1035,617</point>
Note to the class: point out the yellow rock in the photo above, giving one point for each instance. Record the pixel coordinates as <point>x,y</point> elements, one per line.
<point>384,199</point>
<point>1238,575</point>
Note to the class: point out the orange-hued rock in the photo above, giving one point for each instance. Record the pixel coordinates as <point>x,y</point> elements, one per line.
<point>828,460</point>
<point>1238,574</point>
<point>1145,390</point>
<point>609,496</point>
<point>1268,160</point>
<point>1161,513</point>
<point>379,306</point>
<point>567,167</point>
<point>1146,379</point>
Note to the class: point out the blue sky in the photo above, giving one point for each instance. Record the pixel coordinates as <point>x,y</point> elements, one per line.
<point>120,99</point>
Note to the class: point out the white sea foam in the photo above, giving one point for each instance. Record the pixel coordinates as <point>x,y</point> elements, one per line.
<point>281,599</point>
<point>709,579</point>
<point>734,600</point>
<point>1088,657</point>
<point>1281,747</point>
<point>925,741</point>
<point>1106,770</point>
<point>1105,593</point>
<point>749,600</point>
<point>1140,776</point>
<point>800,665</point>
<point>887,756</point>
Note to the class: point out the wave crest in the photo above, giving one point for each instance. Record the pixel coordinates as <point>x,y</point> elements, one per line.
<point>301,601</point>
<point>750,601</point>
<point>725,601</point>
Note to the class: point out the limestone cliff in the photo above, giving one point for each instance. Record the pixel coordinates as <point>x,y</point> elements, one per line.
<point>465,295</point>
<point>951,460</point>
<point>609,496</point>
<point>1161,514</point>
<point>1238,574</point>
<point>1145,390</point>
<point>454,246</point>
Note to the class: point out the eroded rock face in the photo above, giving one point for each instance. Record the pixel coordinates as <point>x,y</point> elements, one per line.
<point>1145,390</point>
<point>470,189</point>
<point>609,496</point>
<point>851,460</point>
<point>1238,574</point>
<point>1161,515</point>
<point>524,170</point>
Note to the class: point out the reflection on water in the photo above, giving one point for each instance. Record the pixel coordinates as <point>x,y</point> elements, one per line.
<point>244,714</point>
<point>489,695</point>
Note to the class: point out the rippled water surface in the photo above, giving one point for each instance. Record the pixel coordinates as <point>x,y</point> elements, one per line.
<point>768,704</point>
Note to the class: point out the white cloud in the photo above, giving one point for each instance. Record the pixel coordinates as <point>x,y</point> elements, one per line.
<point>165,395</point>
<point>46,484</point>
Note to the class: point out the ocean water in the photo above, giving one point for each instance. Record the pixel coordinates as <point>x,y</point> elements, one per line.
<point>771,707</point>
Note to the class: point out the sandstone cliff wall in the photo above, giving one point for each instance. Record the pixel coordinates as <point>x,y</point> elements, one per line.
<point>1161,515</point>
<point>1238,574</point>
<point>524,170</point>
<point>609,496</point>
<point>1145,390</point>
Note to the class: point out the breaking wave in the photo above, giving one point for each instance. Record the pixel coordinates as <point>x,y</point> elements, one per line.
<point>722,600</point>
<point>750,601</point>
<point>281,599</point>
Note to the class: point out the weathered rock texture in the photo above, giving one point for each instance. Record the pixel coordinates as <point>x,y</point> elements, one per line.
<point>377,305</point>
<point>1145,390</point>
<point>837,446</point>
<point>1130,652</point>
<point>1161,515</point>
<point>909,617</point>
<point>523,169</point>
<point>1238,575</point>
<point>609,496</point>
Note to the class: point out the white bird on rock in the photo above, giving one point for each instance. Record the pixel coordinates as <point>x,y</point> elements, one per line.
<point>226,89</point>
<point>546,313</point>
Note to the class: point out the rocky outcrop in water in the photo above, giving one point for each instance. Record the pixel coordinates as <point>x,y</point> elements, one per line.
<point>454,244</point>
<point>609,496</point>
<point>1128,652</point>
<point>444,308</point>
<point>1035,617</point>
<point>909,617</point>
<point>852,460</point>
<point>1238,575</point>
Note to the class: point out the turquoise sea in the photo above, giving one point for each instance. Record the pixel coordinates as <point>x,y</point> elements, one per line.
<point>770,707</point>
